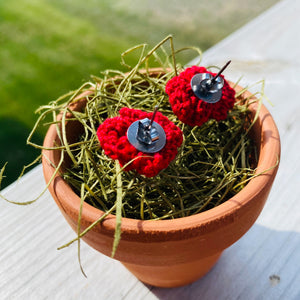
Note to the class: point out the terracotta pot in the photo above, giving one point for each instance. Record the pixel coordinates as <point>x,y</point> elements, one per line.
<point>171,253</point>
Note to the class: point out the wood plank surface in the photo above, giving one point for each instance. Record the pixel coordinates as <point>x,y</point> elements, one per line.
<point>264,264</point>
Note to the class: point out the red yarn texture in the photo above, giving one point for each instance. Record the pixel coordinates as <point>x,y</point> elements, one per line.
<point>112,134</point>
<point>188,107</point>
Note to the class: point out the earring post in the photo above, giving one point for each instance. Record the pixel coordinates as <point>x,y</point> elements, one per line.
<point>220,72</point>
<point>153,116</point>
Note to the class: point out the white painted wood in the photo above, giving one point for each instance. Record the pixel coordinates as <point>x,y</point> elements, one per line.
<point>31,267</point>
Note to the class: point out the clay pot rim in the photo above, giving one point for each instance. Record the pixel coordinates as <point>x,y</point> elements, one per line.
<point>268,160</point>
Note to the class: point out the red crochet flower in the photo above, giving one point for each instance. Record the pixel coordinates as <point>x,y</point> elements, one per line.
<point>188,107</point>
<point>112,134</point>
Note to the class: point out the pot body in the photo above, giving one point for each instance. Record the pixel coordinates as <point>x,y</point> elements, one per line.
<point>171,253</point>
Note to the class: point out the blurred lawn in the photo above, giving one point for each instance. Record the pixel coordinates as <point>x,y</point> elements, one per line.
<point>50,47</point>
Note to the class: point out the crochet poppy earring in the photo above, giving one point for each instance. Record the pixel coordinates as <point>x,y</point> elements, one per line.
<point>197,95</point>
<point>134,137</point>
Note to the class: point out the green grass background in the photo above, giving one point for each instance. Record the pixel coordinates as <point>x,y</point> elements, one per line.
<point>49,47</point>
